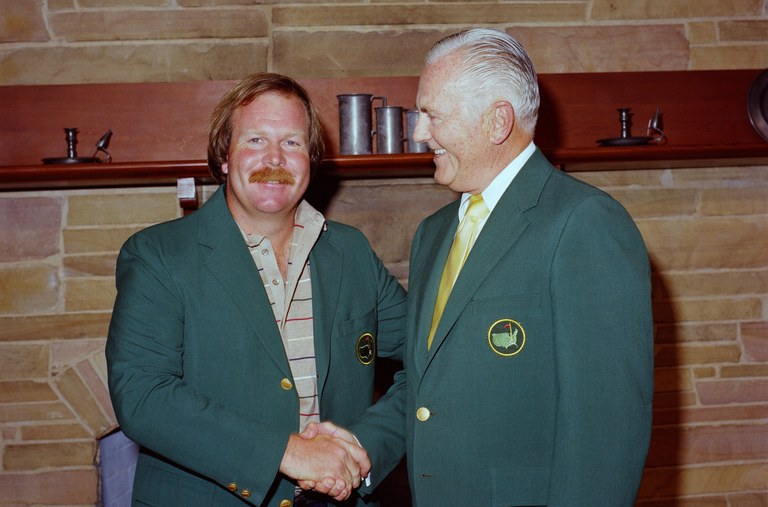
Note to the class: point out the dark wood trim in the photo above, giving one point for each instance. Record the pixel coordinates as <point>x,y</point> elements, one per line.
<point>160,128</point>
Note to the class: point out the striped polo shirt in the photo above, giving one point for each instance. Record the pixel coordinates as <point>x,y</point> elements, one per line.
<point>291,300</point>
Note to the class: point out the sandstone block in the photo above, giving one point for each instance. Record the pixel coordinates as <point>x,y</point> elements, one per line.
<point>59,487</point>
<point>90,265</point>
<point>68,353</point>
<point>479,14</point>
<point>698,414</point>
<point>65,431</point>
<point>32,456</point>
<point>747,30</point>
<point>133,63</point>
<point>35,289</point>
<point>707,444</point>
<point>710,284</point>
<point>30,227</point>
<point>343,53</point>
<point>737,56</point>
<point>35,412</point>
<point>661,9</point>
<point>695,332</point>
<point>138,24</point>
<point>20,391</point>
<point>702,32</point>
<point>557,49</point>
<point>700,480</point>
<point>54,327</point>
<point>657,202</point>
<point>735,201</point>
<point>680,310</point>
<point>83,294</point>
<point>81,399</point>
<point>744,370</point>
<point>706,243</point>
<point>121,209</point>
<point>697,355</point>
<point>754,335</point>
<point>98,388</point>
<point>23,362</point>
<point>721,392</point>
<point>91,241</point>
<point>23,21</point>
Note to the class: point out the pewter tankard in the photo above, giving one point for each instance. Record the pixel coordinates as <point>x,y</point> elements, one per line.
<point>389,129</point>
<point>355,126</point>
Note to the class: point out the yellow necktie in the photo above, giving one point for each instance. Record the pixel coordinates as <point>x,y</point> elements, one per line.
<point>462,244</point>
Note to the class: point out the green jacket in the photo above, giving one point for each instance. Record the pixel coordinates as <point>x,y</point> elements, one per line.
<point>537,389</point>
<point>196,360</point>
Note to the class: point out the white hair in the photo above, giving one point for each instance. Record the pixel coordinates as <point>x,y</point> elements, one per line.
<point>494,66</point>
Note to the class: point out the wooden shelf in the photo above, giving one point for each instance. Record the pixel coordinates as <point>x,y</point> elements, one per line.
<point>160,129</point>
<point>407,165</point>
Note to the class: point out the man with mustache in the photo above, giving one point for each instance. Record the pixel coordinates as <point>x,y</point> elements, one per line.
<point>237,326</point>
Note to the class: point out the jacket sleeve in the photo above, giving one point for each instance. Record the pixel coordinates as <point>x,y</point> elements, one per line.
<point>155,405</point>
<point>604,357</point>
<point>381,428</point>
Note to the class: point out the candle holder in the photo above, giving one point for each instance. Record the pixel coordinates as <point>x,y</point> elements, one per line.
<point>654,131</point>
<point>72,158</point>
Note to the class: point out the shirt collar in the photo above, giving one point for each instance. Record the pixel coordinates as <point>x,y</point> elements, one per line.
<point>493,192</point>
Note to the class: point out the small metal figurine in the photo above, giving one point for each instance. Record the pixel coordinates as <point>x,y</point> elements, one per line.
<point>72,158</point>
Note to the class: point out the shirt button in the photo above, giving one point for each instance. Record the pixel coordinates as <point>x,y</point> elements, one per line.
<point>275,282</point>
<point>245,493</point>
<point>265,251</point>
<point>286,384</point>
<point>232,486</point>
<point>422,414</point>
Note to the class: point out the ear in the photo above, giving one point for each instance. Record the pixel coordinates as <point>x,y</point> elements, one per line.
<point>502,121</point>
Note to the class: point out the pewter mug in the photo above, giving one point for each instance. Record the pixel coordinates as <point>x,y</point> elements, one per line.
<point>410,123</point>
<point>389,129</point>
<point>355,126</point>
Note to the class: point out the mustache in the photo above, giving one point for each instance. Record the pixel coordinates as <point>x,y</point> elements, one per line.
<point>272,175</point>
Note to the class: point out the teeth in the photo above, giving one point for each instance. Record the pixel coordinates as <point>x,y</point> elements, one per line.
<point>440,151</point>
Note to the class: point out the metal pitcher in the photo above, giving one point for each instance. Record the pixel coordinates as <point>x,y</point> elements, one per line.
<point>355,126</point>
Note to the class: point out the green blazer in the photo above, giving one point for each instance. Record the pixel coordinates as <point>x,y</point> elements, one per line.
<point>197,369</point>
<point>537,389</point>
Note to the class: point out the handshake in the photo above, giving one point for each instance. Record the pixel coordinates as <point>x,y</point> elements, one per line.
<point>327,459</point>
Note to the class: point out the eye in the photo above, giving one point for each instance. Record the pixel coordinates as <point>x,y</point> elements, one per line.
<point>255,140</point>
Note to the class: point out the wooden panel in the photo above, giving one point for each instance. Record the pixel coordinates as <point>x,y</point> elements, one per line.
<point>704,112</point>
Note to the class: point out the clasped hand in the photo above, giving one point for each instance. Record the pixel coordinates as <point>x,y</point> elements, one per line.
<point>327,459</point>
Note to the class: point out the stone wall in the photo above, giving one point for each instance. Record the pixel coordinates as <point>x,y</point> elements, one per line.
<point>98,41</point>
<point>707,229</point>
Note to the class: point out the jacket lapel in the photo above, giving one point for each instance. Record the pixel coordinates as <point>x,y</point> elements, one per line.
<point>231,264</point>
<point>424,279</point>
<point>326,284</point>
<point>502,230</point>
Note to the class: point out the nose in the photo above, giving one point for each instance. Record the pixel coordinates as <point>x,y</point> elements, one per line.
<point>273,155</point>
<point>420,130</point>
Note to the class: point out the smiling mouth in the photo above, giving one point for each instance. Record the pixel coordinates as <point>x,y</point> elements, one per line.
<point>439,151</point>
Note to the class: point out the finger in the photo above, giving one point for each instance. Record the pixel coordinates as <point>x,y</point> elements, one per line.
<point>311,431</point>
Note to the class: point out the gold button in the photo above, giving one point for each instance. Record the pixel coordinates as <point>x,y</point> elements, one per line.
<point>285,503</point>
<point>245,493</point>
<point>232,486</point>
<point>422,414</point>
<point>286,384</point>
